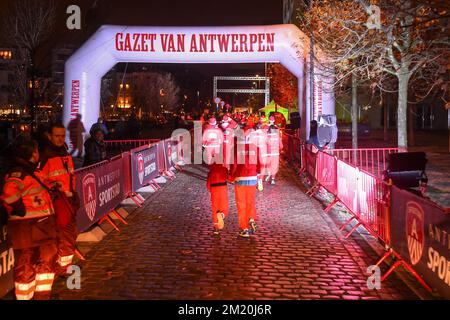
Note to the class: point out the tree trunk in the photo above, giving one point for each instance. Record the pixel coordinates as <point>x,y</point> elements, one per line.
<point>32,93</point>
<point>354,112</point>
<point>412,141</point>
<point>402,110</point>
<point>385,119</point>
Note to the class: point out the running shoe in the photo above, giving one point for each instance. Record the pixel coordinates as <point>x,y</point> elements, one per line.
<point>252,224</point>
<point>244,233</point>
<point>220,218</point>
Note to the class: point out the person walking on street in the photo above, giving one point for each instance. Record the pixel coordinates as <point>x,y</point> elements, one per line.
<point>31,225</point>
<point>244,173</point>
<point>212,141</point>
<point>217,186</point>
<point>57,168</point>
<point>76,129</point>
<point>274,145</point>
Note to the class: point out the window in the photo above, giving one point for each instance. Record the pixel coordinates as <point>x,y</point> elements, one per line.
<point>5,54</point>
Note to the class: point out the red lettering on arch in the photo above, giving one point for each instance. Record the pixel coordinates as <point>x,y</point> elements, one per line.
<point>119,41</point>
<point>203,43</point>
<point>180,42</point>
<point>270,42</point>
<point>136,40</point>
<point>253,39</point>
<point>127,45</point>
<point>261,47</point>
<point>234,42</point>
<point>243,43</point>
<point>193,44</point>
<point>223,42</point>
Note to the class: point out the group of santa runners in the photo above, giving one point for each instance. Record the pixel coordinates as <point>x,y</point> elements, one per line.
<point>244,151</point>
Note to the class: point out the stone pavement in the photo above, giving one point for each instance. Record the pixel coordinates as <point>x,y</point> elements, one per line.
<point>168,251</point>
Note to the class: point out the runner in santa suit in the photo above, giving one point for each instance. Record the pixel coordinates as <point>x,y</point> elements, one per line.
<point>274,145</point>
<point>258,137</point>
<point>228,139</point>
<point>244,173</point>
<point>217,186</point>
<point>212,141</point>
<point>264,121</point>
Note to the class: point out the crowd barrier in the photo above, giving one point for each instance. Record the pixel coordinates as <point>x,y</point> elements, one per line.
<point>102,187</point>
<point>372,160</point>
<point>115,147</point>
<point>415,230</point>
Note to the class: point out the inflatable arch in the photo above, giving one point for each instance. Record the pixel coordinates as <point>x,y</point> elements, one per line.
<point>284,44</point>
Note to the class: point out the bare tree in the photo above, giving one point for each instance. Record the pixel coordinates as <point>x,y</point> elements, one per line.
<point>410,45</point>
<point>27,24</point>
<point>151,90</point>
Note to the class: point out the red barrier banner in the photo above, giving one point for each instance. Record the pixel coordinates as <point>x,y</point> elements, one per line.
<point>420,233</point>
<point>6,261</point>
<point>171,153</point>
<point>347,183</point>
<point>144,166</point>
<point>297,151</point>
<point>127,186</point>
<point>326,171</point>
<point>162,165</point>
<point>101,190</point>
<point>369,198</point>
<point>311,159</point>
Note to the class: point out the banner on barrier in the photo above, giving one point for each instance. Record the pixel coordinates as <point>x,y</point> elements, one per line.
<point>311,159</point>
<point>420,233</point>
<point>6,261</point>
<point>347,183</point>
<point>368,200</point>
<point>144,166</point>
<point>101,190</point>
<point>326,171</point>
<point>171,153</point>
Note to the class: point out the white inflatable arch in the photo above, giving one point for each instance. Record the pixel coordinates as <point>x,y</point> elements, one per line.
<point>110,45</point>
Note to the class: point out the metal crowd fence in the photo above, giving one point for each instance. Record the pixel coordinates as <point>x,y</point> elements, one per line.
<point>373,160</point>
<point>115,147</point>
<point>354,178</point>
<point>103,186</point>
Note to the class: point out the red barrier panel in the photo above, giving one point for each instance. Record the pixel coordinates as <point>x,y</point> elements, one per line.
<point>6,261</point>
<point>420,238</point>
<point>372,210</point>
<point>126,158</point>
<point>144,166</point>
<point>326,172</point>
<point>347,182</point>
<point>310,159</point>
<point>162,157</point>
<point>101,190</point>
<point>293,150</point>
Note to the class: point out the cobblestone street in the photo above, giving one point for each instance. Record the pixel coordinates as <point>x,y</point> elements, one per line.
<point>168,251</point>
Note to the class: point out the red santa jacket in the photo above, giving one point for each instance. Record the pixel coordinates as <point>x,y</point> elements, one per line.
<point>217,176</point>
<point>247,162</point>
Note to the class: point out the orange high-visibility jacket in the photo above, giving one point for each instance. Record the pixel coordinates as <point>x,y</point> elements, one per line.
<point>57,168</point>
<point>24,196</point>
